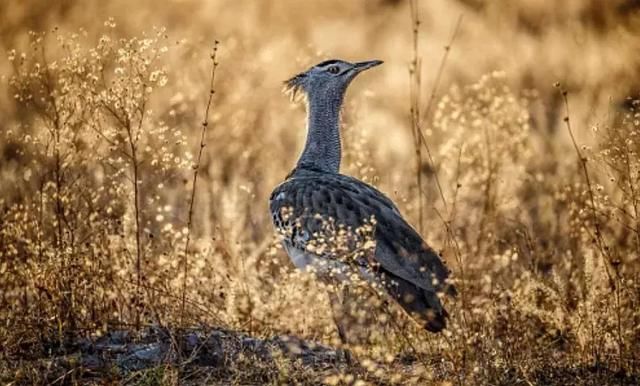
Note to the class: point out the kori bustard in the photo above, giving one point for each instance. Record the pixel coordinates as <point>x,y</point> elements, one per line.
<point>342,228</point>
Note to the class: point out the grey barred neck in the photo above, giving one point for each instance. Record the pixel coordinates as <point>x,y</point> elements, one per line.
<point>322,150</point>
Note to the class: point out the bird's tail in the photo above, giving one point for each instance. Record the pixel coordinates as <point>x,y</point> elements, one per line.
<point>434,318</point>
<point>423,306</point>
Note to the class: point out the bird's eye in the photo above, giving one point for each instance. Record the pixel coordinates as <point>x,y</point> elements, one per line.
<point>333,69</point>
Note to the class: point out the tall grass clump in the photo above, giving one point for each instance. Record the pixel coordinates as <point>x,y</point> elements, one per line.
<point>85,223</point>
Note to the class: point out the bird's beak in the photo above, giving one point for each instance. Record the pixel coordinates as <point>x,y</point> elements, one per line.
<point>361,66</point>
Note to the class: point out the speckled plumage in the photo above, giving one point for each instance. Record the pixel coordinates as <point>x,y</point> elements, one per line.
<point>391,254</point>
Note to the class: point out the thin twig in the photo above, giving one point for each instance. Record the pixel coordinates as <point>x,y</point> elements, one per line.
<point>434,92</point>
<point>196,169</point>
<point>443,62</point>
<point>583,164</point>
<point>135,165</point>
<point>415,72</point>
<point>598,233</point>
<point>420,141</point>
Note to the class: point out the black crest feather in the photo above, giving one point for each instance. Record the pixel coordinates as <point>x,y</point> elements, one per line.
<point>293,86</point>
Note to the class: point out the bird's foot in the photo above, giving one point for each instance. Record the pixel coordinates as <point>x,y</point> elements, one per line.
<point>344,356</point>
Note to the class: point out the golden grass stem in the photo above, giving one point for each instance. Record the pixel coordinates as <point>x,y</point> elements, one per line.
<point>613,281</point>
<point>194,181</point>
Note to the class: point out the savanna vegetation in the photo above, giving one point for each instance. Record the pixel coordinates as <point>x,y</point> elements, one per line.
<point>139,143</point>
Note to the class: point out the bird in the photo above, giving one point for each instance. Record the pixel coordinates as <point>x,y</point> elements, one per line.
<point>344,229</point>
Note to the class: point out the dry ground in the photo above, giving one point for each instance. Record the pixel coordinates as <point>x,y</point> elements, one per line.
<point>515,153</point>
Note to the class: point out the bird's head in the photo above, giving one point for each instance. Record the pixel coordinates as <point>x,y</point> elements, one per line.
<point>327,79</point>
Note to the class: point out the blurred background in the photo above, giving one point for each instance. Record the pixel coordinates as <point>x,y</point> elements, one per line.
<point>545,254</point>
<point>587,45</point>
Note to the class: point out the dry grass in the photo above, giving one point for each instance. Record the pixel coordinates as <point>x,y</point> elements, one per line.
<point>531,192</point>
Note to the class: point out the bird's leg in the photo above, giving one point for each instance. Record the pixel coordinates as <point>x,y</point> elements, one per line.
<point>337,308</point>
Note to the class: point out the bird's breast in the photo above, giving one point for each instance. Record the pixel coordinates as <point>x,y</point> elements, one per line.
<point>326,267</point>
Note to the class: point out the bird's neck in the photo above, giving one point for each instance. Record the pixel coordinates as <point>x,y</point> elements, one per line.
<point>322,150</point>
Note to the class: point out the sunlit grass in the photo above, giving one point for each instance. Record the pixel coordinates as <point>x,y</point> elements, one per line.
<point>97,144</point>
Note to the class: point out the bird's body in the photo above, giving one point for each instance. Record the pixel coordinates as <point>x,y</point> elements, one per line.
<point>343,228</point>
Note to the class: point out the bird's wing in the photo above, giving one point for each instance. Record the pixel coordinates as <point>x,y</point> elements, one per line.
<point>312,198</point>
